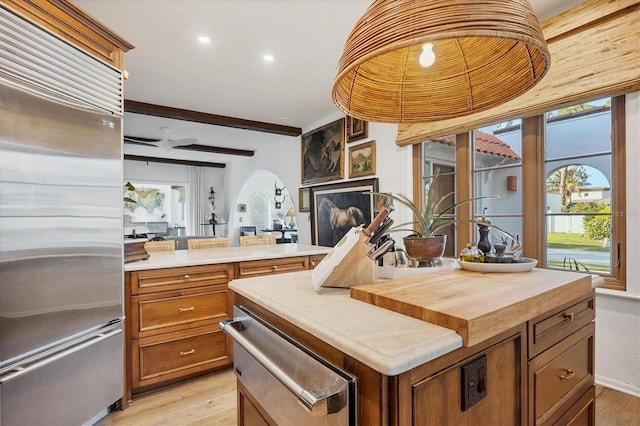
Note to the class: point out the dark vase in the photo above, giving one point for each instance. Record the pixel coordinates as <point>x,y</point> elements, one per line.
<point>483,243</point>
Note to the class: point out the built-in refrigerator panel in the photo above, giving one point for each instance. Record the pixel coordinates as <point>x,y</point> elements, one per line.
<point>60,220</point>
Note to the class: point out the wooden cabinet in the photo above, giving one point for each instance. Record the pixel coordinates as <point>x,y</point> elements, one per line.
<point>172,317</point>
<point>539,372</point>
<point>76,26</point>
<point>172,324</point>
<point>561,365</point>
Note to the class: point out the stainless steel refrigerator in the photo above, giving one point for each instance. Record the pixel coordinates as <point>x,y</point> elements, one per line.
<point>61,268</point>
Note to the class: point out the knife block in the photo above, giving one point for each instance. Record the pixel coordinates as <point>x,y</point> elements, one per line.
<point>352,265</point>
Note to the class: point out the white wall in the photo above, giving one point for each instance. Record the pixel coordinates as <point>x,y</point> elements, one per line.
<point>618,313</point>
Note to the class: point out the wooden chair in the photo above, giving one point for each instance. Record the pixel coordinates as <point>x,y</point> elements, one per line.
<point>168,245</point>
<point>256,240</point>
<point>205,243</point>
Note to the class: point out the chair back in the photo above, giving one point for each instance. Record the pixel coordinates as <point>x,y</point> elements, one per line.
<point>168,245</point>
<point>205,243</point>
<point>256,240</point>
<point>248,230</point>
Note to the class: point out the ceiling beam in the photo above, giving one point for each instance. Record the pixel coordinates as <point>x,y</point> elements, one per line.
<point>216,150</point>
<point>206,118</point>
<point>174,161</point>
<point>193,147</point>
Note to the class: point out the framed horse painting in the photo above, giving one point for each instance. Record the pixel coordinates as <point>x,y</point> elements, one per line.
<point>323,153</point>
<point>336,208</point>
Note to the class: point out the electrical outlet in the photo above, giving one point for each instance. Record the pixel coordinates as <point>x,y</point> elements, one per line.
<point>474,382</point>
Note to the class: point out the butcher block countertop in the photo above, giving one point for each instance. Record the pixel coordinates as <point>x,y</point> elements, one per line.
<point>477,305</point>
<point>426,316</point>
<point>212,256</point>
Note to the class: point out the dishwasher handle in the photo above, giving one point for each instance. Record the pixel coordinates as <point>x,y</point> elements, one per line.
<point>317,402</point>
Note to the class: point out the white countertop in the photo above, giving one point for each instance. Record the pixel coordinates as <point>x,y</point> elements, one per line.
<point>386,341</point>
<point>178,258</point>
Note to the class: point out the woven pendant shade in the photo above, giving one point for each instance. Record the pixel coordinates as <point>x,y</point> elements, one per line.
<point>487,53</point>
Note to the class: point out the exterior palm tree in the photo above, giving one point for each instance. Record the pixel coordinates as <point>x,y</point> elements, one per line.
<point>566,181</point>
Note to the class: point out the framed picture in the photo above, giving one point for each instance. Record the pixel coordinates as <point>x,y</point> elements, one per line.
<point>362,160</point>
<point>338,207</point>
<point>304,204</point>
<point>323,153</point>
<point>356,129</point>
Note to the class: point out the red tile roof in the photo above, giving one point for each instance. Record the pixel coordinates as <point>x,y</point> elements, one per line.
<point>485,143</point>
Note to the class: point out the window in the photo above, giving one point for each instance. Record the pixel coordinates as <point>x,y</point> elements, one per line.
<point>259,213</point>
<point>561,182</point>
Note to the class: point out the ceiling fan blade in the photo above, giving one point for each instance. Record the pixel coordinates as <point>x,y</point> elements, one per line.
<point>179,142</point>
<point>140,141</point>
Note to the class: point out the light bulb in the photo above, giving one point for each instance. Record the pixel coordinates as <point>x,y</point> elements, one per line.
<point>427,57</point>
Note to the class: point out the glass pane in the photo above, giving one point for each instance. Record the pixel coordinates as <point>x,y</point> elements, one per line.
<point>578,199</point>
<point>504,187</point>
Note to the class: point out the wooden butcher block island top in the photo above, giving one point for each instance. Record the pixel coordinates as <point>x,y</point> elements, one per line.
<point>476,305</point>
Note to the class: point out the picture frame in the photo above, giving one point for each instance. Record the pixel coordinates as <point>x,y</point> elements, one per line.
<point>338,207</point>
<point>304,202</point>
<point>322,153</point>
<point>356,129</point>
<point>362,160</point>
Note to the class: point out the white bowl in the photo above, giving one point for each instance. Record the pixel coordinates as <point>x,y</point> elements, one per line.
<point>522,264</point>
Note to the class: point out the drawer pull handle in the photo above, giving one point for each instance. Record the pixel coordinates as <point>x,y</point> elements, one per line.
<point>570,374</point>
<point>568,316</point>
<point>274,267</point>
<point>187,276</point>
<point>313,264</point>
<point>191,352</point>
<point>190,308</point>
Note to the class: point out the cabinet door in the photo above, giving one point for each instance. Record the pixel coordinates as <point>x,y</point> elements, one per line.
<point>437,400</point>
<point>582,413</point>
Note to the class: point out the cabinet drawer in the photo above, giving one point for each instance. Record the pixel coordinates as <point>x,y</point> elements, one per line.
<point>560,375</point>
<point>175,355</point>
<point>550,328</point>
<point>178,310</point>
<point>582,412</point>
<point>150,281</point>
<point>315,259</point>
<point>272,266</point>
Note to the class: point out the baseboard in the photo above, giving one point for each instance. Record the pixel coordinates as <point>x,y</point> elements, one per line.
<point>617,385</point>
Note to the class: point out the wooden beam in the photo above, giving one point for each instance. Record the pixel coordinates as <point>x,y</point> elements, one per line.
<point>217,150</point>
<point>193,147</point>
<point>174,161</point>
<point>206,118</point>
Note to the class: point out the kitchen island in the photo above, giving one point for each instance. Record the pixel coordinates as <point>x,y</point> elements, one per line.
<point>534,334</point>
<point>175,300</point>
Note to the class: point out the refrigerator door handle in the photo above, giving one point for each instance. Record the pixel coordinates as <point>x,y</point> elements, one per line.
<point>36,362</point>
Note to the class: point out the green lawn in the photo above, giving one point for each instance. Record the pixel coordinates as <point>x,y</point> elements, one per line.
<point>574,241</point>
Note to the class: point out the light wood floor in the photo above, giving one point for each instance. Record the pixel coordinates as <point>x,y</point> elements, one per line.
<point>211,400</point>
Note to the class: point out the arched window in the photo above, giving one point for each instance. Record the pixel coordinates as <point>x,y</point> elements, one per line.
<point>259,211</point>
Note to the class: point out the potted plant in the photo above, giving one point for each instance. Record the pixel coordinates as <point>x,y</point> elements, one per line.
<point>424,244</point>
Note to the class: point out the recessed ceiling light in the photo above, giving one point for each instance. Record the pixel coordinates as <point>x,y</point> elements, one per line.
<point>268,58</point>
<point>204,39</point>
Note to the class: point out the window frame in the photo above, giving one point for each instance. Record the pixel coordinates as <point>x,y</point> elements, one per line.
<point>534,182</point>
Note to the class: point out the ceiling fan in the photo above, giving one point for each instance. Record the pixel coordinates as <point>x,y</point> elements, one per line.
<point>164,143</point>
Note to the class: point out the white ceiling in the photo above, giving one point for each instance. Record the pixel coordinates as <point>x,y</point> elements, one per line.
<point>228,76</point>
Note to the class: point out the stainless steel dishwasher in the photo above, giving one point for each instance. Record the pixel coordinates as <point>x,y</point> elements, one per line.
<point>294,385</point>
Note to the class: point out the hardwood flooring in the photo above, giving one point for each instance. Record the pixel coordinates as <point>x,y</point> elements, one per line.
<point>211,400</point>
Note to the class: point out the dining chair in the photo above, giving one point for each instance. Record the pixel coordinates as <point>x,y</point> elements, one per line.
<point>256,240</point>
<point>158,246</point>
<point>205,243</point>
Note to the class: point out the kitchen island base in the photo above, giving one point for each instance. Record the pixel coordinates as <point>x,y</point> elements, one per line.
<point>524,384</point>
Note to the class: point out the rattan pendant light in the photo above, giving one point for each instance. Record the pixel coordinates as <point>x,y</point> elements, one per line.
<point>487,52</point>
